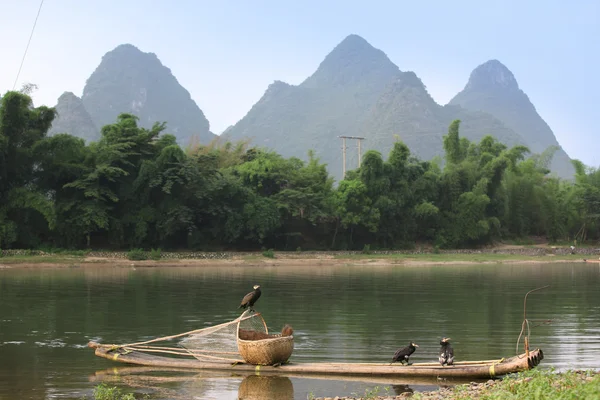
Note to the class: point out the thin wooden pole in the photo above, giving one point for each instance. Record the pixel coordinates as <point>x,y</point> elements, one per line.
<point>216,327</point>
<point>343,157</point>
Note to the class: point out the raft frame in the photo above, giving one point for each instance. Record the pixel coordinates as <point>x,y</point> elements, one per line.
<point>463,369</point>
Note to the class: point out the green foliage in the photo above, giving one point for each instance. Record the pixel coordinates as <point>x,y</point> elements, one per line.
<point>136,254</point>
<point>136,188</point>
<point>103,392</point>
<point>535,384</point>
<point>155,254</point>
<point>269,253</point>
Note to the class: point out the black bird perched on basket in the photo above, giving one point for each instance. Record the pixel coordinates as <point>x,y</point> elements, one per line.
<point>251,298</point>
<point>404,353</point>
<point>446,352</point>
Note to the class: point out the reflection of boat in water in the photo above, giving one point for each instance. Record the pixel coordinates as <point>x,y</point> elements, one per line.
<point>252,387</point>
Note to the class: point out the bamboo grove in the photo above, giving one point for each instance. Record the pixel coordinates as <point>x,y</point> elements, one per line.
<point>137,188</point>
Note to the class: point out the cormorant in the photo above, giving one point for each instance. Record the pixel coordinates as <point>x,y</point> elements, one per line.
<point>251,298</point>
<point>404,353</point>
<point>287,330</point>
<point>446,352</point>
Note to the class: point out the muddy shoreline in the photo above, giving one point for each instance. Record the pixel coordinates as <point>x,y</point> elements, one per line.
<point>506,255</point>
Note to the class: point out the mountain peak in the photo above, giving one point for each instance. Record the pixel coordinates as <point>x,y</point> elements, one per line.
<point>68,96</point>
<point>351,60</point>
<point>493,89</point>
<point>492,74</point>
<point>130,80</point>
<point>357,49</point>
<point>73,118</point>
<point>127,47</point>
<point>127,51</point>
<point>354,41</point>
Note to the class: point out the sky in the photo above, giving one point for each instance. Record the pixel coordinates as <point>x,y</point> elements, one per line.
<point>226,52</point>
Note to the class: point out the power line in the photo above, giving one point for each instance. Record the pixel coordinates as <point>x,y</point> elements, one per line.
<point>28,42</point>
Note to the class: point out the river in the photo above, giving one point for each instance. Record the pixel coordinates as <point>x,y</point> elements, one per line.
<point>339,313</point>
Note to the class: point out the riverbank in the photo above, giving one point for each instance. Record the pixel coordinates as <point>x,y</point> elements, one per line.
<point>535,384</point>
<point>498,255</point>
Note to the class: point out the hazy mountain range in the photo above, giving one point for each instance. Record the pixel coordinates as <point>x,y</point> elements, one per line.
<point>355,91</point>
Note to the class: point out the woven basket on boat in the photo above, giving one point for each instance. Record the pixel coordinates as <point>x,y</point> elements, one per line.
<point>276,349</point>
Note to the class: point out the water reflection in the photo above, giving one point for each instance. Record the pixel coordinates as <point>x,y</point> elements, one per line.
<point>343,313</point>
<point>174,383</point>
<point>257,387</point>
<point>400,389</point>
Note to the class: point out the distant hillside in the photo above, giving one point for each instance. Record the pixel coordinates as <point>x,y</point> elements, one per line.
<point>73,118</point>
<point>406,109</point>
<point>492,88</point>
<point>129,80</point>
<point>331,102</point>
<point>358,91</point>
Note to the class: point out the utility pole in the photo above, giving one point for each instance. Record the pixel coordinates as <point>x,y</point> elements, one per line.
<point>359,139</point>
<point>343,156</point>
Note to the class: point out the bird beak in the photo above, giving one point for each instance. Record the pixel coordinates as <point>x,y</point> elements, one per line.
<point>416,345</point>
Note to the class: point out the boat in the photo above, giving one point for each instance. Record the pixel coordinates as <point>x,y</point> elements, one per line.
<point>463,369</point>
<point>245,345</point>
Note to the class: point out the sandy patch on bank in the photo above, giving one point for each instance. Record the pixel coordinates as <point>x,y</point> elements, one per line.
<point>280,260</point>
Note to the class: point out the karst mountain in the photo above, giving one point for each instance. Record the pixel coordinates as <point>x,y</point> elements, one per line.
<point>355,91</point>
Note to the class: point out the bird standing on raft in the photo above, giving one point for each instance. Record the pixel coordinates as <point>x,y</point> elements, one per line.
<point>251,298</point>
<point>446,352</point>
<point>404,353</point>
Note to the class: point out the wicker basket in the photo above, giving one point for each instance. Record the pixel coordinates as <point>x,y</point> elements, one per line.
<point>276,349</point>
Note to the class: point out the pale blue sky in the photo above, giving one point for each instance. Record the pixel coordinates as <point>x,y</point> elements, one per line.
<point>227,52</point>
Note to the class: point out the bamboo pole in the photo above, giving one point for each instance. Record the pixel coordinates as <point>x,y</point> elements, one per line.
<point>216,327</point>
<point>176,348</point>
<point>184,352</point>
<point>510,365</point>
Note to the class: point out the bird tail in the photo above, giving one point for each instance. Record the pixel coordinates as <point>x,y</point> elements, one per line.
<point>287,331</point>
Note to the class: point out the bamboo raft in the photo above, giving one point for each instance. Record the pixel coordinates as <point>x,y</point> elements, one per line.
<point>465,369</point>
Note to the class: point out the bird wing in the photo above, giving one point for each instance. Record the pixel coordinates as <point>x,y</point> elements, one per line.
<point>247,298</point>
<point>400,353</point>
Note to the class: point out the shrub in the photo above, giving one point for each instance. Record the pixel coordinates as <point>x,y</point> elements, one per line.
<point>269,253</point>
<point>155,254</point>
<point>136,254</point>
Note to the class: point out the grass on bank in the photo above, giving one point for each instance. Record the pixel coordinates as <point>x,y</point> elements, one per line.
<point>37,259</point>
<point>536,384</point>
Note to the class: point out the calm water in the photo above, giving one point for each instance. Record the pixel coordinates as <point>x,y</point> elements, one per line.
<point>359,314</point>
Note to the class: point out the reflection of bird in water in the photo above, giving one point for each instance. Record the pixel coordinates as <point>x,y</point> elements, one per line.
<point>446,352</point>
<point>399,389</point>
<point>251,298</point>
<point>404,353</point>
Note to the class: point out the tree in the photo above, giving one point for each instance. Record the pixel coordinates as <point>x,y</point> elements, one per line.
<point>21,127</point>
